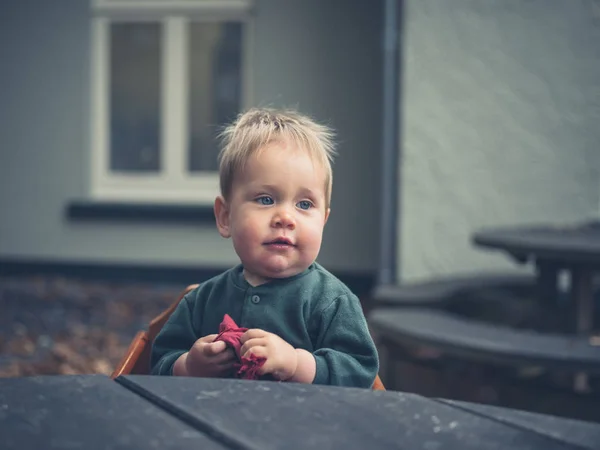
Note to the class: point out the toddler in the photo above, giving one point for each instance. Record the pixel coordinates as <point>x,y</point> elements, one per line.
<point>303,323</point>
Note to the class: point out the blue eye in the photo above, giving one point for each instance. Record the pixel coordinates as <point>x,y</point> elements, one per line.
<point>265,200</point>
<point>304,204</point>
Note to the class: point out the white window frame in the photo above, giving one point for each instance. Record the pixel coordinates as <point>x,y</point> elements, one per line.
<point>173,183</point>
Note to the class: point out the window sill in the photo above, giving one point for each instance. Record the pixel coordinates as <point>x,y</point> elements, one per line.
<point>139,212</point>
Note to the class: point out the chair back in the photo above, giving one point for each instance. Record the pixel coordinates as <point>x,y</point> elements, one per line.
<point>137,359</point>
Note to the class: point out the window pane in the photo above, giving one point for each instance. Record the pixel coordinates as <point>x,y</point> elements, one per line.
<point>215,87</point>
<point>135,97</point>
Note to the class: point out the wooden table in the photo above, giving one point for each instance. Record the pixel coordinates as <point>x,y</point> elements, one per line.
<point>87,412</point>
<point>93,411</point>
<point>575,249</point>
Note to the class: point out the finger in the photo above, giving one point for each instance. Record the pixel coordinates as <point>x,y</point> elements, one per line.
<point>214,348</point>
<point>252,334</point>
<point>264,370</point>
<point>226,366</point>
<point>208,338</point>
<point>269,368</point>
<point>252,343</point>
<point>227,370</point>
<point>223,358</point>
<point>205,340</point>
<point>257,350</point>
<point>230,355</point>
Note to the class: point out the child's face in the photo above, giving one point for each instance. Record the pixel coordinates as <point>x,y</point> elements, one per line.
<point>276,213</point>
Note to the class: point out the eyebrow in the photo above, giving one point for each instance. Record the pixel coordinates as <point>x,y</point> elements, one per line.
<point>309,192</point>
<point>275,188</point>
<point>268,187</point>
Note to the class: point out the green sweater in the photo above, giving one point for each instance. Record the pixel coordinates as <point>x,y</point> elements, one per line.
<point>312,310</point>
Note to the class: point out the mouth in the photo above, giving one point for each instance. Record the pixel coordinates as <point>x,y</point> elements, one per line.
<point>281,242</point>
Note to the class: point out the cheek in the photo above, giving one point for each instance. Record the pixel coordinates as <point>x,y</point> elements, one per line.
<point>314,233</point>
<point>246,227</point>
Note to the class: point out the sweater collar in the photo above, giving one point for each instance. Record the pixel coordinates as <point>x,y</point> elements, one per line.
<point>237,277</point>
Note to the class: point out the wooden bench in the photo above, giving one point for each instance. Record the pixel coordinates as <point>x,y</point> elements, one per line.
<point>481,342</point>
<point>439,292</point>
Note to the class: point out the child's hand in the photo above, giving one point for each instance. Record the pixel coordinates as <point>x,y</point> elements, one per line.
<point>209,359</point>
<point>282,358</point>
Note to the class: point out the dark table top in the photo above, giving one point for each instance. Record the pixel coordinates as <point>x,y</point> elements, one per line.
<point>571,244</point>
<point>87,412</point>
<point>170,412</point>
<point>267,415</point>
<point>578,433</point>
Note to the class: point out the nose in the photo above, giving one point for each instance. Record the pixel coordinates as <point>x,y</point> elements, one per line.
<point>283,219</point>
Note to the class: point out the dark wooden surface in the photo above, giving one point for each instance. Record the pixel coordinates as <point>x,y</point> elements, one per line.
<point>439,292</point>
<point>267,415</point>
<point>95,412</point>
<point>87,412</point>
<point>577,244</point>
<point>483,341</point>
<point>578,433</point>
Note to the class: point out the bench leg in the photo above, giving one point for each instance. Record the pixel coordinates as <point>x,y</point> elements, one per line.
<point>583,299</point>
<point>547,283</point>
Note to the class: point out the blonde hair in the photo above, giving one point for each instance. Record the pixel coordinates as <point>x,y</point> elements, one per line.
<point>257,127</point>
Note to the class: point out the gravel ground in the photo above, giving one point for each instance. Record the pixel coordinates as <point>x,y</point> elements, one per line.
<point>51,325</point>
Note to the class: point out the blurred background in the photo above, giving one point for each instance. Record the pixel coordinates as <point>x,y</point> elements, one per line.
<point>452,118</point>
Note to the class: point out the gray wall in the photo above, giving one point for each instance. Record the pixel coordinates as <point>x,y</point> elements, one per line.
<point>305,54</point>
<point>501,109</point>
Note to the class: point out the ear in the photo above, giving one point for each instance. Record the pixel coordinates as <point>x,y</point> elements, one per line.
<point>327,211</point>
<point>222,216</point>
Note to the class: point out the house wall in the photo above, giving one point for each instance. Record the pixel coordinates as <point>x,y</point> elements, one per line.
<point>500,125</point>
<point>305,54</point>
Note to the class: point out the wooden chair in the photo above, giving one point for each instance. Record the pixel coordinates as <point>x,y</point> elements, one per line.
<point>137,359</point>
